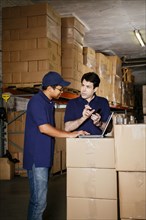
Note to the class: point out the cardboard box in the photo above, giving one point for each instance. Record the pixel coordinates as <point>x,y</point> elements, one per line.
<point>89,209</point>
<point>129,219</point>
<point>144,118</point>
<point>6,169</point>
<point>144,110</point>
<point>60,144</point>
<point>116,65</point>
<point>91,153</point>
<point>130,147</point>
<point>57,162</point>
<point>132,195</point>
<point>71,34</point>
<point>63,160</point>
<point>89,57</point>
<point>92,183</point>
<point>115,93</point>
<point>102,65</point>
<point>73,22</point>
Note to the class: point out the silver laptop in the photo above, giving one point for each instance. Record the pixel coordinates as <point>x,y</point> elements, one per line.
<point>103,132</point>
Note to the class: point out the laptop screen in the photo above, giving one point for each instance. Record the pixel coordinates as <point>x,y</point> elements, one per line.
<point>107,123</point>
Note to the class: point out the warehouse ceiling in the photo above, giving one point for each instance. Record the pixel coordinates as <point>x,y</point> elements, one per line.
<point>109,26</point>
<point>109,23</point>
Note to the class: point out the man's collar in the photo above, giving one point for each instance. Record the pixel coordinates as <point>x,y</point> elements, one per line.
<point>85,101</point>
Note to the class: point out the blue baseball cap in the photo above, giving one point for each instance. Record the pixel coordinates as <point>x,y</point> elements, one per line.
<point>54,78</point>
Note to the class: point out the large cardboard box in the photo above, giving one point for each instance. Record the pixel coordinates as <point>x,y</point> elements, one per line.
<point>130,147</point>
<point>6,169</point>
<point>115,65</point>
<point>57,162</point>
<point>73,22</point>
<point>89,57</point>
<point>132,195</point>
<point>89,209</point>
<point>102,65</point>
<point>95,153</point>
<point>92,183</point>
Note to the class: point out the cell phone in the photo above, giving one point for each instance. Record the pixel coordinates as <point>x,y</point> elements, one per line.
<point>98,111</point>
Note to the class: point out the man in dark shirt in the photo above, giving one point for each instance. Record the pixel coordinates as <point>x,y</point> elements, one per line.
<point>89,111</point>
<point>39,141</point>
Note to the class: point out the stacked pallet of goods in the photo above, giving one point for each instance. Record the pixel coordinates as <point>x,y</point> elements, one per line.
<point>130,161</point>
<point>127,87</point>
<point>109,70</point>
<point>92,163</point>
<point>31,46</point>
<point>89,60</point>
<point>72,40</point>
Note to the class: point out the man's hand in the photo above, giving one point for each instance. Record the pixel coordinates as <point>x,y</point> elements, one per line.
<point>96,119</point>
<point>77,133</point>
<point>88,111</point>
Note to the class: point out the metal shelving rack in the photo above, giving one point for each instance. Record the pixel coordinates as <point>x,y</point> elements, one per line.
<point>1,125</point>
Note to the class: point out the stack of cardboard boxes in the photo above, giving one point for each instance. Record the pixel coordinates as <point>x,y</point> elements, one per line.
<point>31,45</point>
<point>130,150</point>
<point>127,87</point>
<point>72,41</point>
<point>106,177</point>
<point>89,59</point>
<point>109,70</point>
<point>91,179</point>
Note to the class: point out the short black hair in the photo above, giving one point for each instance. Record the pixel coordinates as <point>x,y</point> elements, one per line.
<point>91,77</point>
<point>44,87</point>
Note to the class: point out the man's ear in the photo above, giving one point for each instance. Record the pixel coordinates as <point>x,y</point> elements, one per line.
<point>49,88</point>
<point>95,89</point>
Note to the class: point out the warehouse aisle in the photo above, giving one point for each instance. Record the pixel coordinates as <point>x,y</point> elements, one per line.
<point>14,196</point>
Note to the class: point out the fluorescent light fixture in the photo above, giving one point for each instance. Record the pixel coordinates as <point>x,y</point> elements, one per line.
<point>139,37</point>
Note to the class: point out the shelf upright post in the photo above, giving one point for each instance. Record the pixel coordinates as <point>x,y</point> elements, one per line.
<point>1,125</point>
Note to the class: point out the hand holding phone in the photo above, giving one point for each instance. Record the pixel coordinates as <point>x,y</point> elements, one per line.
<point>98,111</point>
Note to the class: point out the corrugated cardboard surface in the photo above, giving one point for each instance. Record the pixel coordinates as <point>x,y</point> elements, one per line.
<point>92,183</point>
<point>130,147</point>
<point>95,153</point>
<point>132,191</point>
<point>6,169</point>
<point>89,209</point>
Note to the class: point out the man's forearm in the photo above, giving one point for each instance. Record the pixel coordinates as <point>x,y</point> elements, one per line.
<point>73,125</point>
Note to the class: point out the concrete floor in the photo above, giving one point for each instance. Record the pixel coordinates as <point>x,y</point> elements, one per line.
<point>14,196</point>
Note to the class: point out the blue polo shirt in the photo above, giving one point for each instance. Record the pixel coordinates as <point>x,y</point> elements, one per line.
<point>38,147</point>
<point>75,108</point>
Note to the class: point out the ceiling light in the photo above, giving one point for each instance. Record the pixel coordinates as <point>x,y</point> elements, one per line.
<point>139,37</point>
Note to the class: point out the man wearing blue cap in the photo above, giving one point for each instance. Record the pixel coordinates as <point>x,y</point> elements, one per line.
<point>40,132</point>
